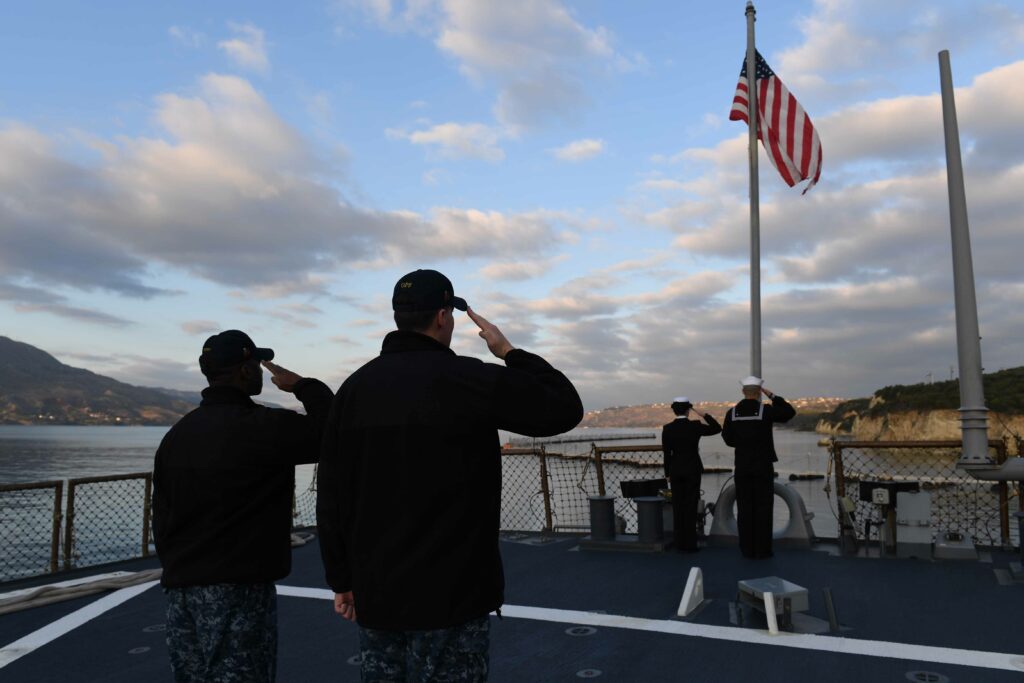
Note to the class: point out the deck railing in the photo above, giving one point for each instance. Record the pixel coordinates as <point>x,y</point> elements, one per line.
<point>99,520</point>
<point>107,519</point>
<point>960,503</point>
<point>30,517</point>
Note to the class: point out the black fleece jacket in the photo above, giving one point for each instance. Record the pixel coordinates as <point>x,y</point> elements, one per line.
<point>409,489</point>
<point>223,481</point>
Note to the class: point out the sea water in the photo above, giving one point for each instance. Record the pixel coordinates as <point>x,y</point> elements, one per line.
<point>34,453</point>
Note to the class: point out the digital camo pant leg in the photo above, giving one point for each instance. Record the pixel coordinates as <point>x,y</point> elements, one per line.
<point>225,633</point>
<point>444,655</point>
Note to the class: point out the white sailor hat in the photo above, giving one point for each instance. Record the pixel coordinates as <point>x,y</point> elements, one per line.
<point>680,399</point>
<point>751,381</point>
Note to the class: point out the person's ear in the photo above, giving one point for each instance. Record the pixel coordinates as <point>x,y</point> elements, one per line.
<point>439,318</point>
<point>250,371</point>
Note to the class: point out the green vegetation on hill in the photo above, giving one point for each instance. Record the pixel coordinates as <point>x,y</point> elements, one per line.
<point>1004,393</point>
<point>37,388</point>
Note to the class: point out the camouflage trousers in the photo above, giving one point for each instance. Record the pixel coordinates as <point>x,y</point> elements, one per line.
<point>225,633</point>
<point>443,655</point>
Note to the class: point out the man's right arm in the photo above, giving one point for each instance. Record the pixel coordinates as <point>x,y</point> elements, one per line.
<point>530,396</point>
<point>711,427</point>
<point>533,398</point>
<point>299,436</point>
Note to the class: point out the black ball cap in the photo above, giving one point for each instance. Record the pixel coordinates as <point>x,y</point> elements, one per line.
<point>230,348</point>
<point>425,290</point>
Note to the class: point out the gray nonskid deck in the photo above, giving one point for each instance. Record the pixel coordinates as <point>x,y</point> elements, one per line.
<point>900,603</point>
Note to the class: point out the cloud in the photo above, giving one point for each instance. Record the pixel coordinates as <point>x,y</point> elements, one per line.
<point>198,327</point>
<point>343,340</point>
<point>412,15</point>
<point>579,150</point>
<point>186,37</point>
<point>456,140</point>
<point>320,108</point>
<point>248,48</point>
<point>435,176</point>
<point>32,300</point>
<point>518,270</point>
<point>162,373</point>
<point>856,283</point>
<point>229,192</point>
<point>536,53</point>
<point>883,188</point>
<point>664,184</point>
<point>470,233</point>
<point>292,315</point>
<point>846,52</point>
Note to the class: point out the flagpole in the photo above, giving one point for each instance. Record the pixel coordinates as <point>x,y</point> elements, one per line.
<point>755,213</point>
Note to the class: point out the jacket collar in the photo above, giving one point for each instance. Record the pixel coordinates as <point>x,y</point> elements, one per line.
<point>225,395</point>
<point>400,341</point>
<point>747,407</point>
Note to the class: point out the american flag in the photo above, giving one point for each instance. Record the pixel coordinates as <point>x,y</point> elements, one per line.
<point>784,128</point>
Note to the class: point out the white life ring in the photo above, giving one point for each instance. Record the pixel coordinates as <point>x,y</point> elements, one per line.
<point>725,518</point>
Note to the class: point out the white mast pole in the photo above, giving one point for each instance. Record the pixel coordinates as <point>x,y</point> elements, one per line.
<point>755,215</point>
<point>973,419</point>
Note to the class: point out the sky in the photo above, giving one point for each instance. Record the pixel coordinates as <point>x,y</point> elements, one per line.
<point>169,170</point>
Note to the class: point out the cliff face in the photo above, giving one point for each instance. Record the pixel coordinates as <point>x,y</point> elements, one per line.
<point>652,415</point>
<point>914,425</point>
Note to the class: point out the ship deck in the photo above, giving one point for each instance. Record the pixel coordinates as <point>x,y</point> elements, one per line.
<point>901,619</point>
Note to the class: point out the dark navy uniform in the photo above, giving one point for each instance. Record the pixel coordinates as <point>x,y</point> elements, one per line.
<point>748,429</point>
<point>446,654</point>
<point>418,425</point>
<point>683,467</point>
<point>223,481</point>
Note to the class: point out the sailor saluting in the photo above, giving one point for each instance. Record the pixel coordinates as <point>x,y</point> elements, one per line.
<point>748,429</point>
<point>683,467</point>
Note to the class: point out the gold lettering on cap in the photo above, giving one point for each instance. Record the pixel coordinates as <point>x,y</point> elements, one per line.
<point>405,285</point>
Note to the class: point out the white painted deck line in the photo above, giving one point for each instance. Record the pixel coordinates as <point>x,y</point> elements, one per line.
<point>69,622</point>
<point>836,644</point>
<point>302,592</point>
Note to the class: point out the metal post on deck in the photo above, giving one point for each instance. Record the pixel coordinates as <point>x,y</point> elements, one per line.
<point>973,419</point>
<point>598,468</point>
<point>545,490</point>
<point>146,502</point>
<point>58,498</point>
<point>69,525</point>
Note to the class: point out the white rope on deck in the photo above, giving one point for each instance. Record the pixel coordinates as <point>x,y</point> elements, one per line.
<point>28,598</point>
<point>69,622</point>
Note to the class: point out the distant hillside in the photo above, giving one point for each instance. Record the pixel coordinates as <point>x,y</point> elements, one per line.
<point>928,411</point>
<point>36,388</point>
<point>809,411</point>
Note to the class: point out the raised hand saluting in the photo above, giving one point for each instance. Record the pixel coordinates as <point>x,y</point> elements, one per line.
<point>283,379</point>
<point>489,332</point>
